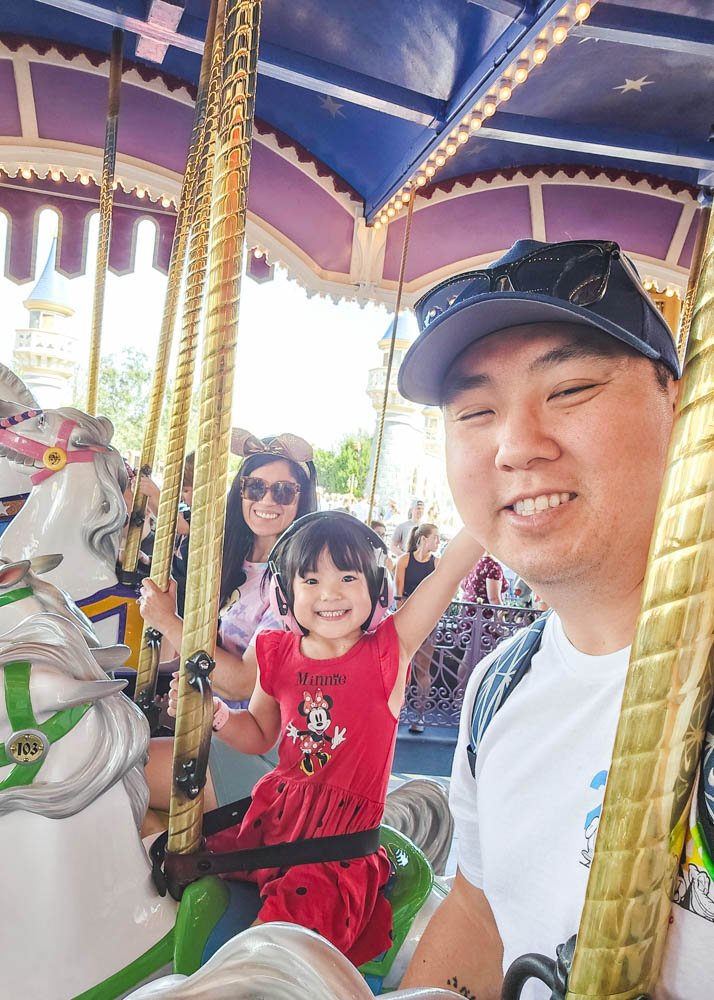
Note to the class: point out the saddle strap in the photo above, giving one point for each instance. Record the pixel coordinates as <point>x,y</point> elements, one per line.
<point>173,871</point>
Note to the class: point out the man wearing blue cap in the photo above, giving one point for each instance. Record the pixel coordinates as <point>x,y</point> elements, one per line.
<point>557,377</point>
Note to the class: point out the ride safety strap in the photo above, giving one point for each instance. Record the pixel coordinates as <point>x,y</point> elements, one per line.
<point>175,871</point>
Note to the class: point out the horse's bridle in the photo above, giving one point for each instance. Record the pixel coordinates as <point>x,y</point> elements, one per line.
<point>30,741</point>
<point>54,458</point>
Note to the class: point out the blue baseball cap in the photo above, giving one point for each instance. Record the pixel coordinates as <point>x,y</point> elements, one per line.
<point>586,282</point>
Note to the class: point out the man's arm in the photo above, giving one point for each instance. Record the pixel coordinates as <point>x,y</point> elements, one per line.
<point>461,948</point>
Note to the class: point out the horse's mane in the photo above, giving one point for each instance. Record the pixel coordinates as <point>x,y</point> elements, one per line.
<point>122,732</point>
<point>102,530</point>
<point>13,388</point>
<point>276,961</point>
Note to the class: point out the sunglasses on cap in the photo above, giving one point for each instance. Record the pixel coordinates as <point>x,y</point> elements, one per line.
<point>577,271</point>
<point>283,492</point>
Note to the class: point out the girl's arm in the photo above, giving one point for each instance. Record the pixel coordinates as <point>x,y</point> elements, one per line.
<point>255,729</point>
<point>401,572</point>
<point>418,615</point>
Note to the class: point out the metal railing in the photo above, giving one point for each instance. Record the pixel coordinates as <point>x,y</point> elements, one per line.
<point>443,664</point>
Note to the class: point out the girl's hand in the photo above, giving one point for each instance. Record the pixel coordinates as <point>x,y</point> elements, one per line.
<point>158,609</point>
<point>173,695</point>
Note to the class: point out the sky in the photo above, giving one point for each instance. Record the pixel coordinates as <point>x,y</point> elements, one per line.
<point>302,362</point>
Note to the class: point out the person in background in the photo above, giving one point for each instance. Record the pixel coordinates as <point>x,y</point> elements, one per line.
<point>380,528</point>
<point>486,583</point>
<point>399,542</point>
<point>414,566</point>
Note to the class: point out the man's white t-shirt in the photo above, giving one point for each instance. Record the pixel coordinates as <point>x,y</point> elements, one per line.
<point>526,823</point>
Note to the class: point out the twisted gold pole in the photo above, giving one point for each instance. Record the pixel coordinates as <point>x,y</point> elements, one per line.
<point>385,400</point>
<point>230,195</point>
<point>184,220</point>
<point>685,319</point>
<point>106,199</point>
<point>165,534</point>
<point>665,705</point>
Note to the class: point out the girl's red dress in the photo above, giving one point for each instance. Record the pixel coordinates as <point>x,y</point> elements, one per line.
<point>336,750</point>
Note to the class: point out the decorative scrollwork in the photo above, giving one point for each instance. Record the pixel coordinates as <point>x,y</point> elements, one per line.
<point>443,664</point>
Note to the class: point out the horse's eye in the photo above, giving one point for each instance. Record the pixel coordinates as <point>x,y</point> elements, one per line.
<point>41,420</point>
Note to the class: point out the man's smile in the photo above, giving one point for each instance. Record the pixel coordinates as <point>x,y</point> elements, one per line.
<point>527,506</point>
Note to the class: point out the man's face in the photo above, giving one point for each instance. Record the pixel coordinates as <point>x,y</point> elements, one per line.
<point>555,455</point>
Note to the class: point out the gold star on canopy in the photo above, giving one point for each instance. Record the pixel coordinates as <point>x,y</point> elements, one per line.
<point>634,84</point>
<point>332,107</point>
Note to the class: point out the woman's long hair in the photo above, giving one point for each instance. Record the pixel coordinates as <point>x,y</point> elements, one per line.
<point>239,539</point>
<point>419,531</point>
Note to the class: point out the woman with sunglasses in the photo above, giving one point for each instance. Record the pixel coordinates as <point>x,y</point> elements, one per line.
<point>275,484</point>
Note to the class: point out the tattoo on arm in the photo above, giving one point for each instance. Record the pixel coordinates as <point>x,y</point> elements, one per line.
<point>464,991</point>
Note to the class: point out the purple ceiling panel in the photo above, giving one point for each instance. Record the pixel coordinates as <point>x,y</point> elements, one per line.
<point>640,223</point>
<point>9,111</point>
<point>457,229</point>
<point>21,233</point>
<point>295,205</point>
<point>685,258</point>
<point>71,107</point>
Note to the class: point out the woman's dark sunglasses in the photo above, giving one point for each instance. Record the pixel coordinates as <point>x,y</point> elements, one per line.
<point>282,492</point>
<point>576,271</point>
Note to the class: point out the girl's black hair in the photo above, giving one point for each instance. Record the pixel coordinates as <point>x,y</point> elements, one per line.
<point>417,532</point>
<point>348,545</point>
<point>239,539</point>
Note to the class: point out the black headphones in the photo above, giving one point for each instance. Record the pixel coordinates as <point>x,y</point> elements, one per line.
<point>385,588</point>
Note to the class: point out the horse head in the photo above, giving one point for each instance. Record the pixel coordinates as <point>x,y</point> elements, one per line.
<point>51,682</point>
<point>48,445</point>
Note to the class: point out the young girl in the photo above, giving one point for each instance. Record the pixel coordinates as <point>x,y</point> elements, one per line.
<point>331,691</point>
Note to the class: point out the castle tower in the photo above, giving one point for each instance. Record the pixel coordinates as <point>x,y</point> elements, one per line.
<point>400,465</point>
<point>45,351</point>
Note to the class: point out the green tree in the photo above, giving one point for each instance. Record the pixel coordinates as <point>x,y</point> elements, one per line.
<point>123,396</point>
<point>344,468</point>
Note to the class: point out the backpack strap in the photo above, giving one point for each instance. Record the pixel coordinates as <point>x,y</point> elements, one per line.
<point>506,671</point>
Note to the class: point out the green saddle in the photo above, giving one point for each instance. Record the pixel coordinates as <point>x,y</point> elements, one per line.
<point>414,882</point>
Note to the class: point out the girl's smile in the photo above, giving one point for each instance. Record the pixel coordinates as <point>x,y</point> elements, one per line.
<point>330,602</point>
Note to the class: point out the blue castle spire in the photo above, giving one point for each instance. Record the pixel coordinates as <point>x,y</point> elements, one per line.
<point>52,289</point>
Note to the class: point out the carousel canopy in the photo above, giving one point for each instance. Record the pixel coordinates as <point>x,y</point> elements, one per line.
<point>503,118</point>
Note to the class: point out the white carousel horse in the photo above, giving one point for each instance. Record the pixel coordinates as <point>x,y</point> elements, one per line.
<point>14,485</point>
<point>76,507</point>
<point>277,961</point>
<point>420,810</point>
<point>76,878</point>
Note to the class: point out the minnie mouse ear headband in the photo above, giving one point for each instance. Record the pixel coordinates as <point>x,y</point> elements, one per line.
<point>289,446</point>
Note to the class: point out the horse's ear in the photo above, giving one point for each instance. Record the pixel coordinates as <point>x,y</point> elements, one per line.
<point>88,691</point>
<point>111,657</point>
<point>93,446</point>
<point>45,564</point>
<point>107,425</point>
<point>12,573</point>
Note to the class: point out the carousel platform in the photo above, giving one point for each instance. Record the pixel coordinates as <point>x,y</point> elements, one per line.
<point>427,754</point>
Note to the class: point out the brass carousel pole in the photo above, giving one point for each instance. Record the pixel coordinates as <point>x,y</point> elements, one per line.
<point>184,220</point>
<point>694,272</point>
<point>665,705</point>
<point>397,307</point>
<point>106,199</point>
<point>230,195</point>
<point>167,515</point>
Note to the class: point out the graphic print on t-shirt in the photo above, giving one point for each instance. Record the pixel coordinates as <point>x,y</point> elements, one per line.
<point>314,739</point>
<point>592,820</point>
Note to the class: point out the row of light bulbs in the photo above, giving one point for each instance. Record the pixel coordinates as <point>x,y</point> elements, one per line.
<point>56,175</point>
<point>651,285</point>
<point>486,107</point>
